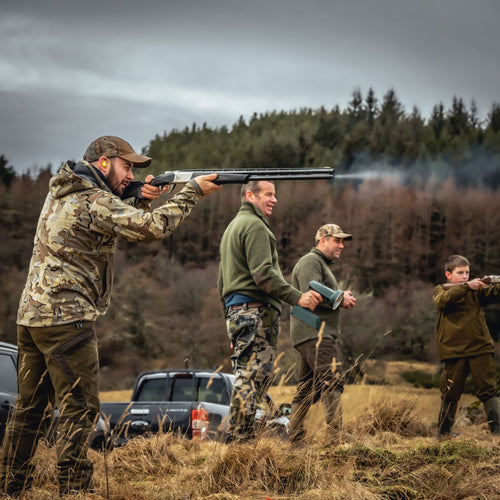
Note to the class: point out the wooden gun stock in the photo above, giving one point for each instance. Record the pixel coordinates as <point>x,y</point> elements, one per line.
<point>491,279</point>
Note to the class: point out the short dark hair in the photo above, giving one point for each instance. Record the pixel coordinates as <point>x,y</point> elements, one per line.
<point>454,261</point>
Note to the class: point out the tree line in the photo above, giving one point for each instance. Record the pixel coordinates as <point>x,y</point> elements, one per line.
<point>165,310</point>
<point>451,142</point>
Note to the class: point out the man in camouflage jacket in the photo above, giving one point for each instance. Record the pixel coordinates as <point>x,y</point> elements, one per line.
<point>67,289</point>
<point>252,289</point>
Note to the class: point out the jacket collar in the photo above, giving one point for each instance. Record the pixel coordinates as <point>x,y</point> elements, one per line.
<point>322,255</point>
<point>94,175</point>
<point>248,207</point>
<point>73,177</point>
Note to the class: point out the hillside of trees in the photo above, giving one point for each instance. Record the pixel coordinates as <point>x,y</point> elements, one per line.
<point>411,191</point>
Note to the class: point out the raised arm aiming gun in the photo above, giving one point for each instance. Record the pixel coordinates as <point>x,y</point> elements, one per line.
<point>225,176</point>
<point>491,279</point>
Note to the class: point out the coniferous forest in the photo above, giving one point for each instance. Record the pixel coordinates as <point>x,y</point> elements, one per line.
<point>411,190</point>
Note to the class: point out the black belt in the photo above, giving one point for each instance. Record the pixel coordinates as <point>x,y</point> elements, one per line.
<point>248,305</point>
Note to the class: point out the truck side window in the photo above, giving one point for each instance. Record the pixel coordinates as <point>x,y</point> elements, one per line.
<point>153,389</point>
<point>8,374</point>
<point>182,389</point>
<point>212,390</point>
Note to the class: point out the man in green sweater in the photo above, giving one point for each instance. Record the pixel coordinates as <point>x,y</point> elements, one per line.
<point>464,343</point>
<point>320,371</point>
<point>252,289</point>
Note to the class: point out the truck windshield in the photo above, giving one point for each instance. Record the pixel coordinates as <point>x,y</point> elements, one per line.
<point>182,388</point>
<point>153,389</point>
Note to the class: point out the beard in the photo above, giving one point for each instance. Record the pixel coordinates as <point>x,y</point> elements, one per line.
<point>114,181</point>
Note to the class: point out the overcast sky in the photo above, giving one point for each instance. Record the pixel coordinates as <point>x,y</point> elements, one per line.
<point>72,71</point>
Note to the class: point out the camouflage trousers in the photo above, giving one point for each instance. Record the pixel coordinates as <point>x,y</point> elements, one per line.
<point>254,335</point>
<point>57,365</point>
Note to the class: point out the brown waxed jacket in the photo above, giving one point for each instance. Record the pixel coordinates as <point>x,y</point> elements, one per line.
<point>461,328</point>
<point>72,266</point>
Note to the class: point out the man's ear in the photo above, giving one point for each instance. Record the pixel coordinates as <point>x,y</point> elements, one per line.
<point>103,164</point>
<point>448,275</point>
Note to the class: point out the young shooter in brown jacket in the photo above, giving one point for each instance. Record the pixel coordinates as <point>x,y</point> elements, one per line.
<point>464,343</point>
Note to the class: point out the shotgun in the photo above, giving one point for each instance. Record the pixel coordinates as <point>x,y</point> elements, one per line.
<point>225,176</point>
<point>491,279</point>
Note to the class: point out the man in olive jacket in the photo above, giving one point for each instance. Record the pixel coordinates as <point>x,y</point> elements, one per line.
<point>464,343</point>
<point>320,371</point>
<point>67,289</point>
<point>252,288</point>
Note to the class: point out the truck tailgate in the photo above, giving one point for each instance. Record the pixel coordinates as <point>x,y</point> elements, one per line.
<point>128,420</point>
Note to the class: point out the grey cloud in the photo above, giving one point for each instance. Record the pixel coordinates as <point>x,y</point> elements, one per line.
<point>111,66</point>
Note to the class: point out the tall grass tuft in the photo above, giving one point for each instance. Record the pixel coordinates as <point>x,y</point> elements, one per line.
<point>390,415</point>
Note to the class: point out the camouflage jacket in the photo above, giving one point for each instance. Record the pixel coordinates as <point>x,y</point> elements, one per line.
<point>461,329</point>
<point>72,266</point>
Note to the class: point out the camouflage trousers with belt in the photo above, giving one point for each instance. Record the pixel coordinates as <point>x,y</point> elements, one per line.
<point>254,336</point>
<point>57,366</point>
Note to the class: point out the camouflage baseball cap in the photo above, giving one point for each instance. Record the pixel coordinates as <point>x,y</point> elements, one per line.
<point>111,146</point>
<point>331,230</point>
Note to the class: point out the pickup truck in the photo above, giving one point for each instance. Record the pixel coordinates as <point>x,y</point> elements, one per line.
<point>191,403</point>
<point>9,391</point>
<point>8,382</point>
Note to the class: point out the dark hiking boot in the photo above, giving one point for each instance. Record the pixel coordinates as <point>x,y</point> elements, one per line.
<point>446,418</point>
<point>492,410</point>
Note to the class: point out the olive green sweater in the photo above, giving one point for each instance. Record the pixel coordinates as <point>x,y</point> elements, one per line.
<point>249,261</point>
<point>314,266</point>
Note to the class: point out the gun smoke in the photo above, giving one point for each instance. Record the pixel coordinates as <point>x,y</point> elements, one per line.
<point>481,170</point>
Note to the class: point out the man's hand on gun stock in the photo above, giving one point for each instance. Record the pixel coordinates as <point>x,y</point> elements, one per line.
<point>310,300</point>
<point>206,184</point>
<point>150,192</point>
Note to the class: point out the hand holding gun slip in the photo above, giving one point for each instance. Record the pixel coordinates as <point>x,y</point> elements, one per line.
<point>491,279</point>
<point>333,297</point>
<point>225,176</point>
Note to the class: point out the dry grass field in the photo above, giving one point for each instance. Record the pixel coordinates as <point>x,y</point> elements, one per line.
<point>389,452</point>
